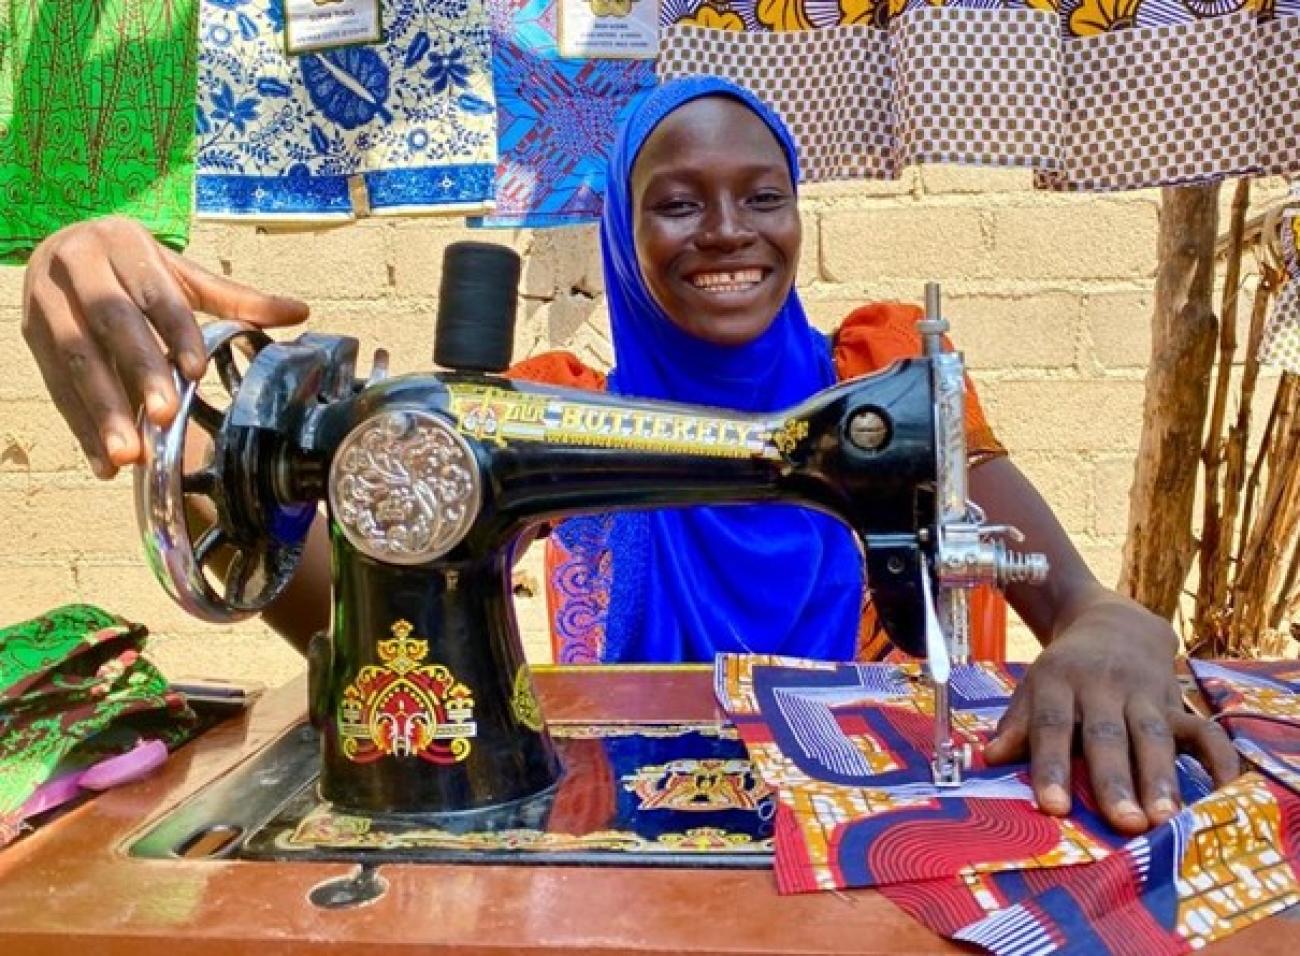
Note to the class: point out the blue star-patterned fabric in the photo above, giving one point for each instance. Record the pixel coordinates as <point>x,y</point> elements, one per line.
<point>414,116</point>
<point>556,119</point>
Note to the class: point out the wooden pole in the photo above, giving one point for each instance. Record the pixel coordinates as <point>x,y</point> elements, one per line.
<point>1160,547</point>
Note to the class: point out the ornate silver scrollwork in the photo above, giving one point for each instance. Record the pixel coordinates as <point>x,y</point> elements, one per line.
<point>405,487</point>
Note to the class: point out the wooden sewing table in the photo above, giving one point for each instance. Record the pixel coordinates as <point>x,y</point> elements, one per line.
<point>71,888</point>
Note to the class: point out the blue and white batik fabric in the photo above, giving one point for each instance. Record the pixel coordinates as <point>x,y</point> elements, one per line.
<point>412,118</point>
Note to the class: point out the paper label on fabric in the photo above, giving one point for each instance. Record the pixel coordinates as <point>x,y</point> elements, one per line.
<point>314,25</point>
<point>609,29</point>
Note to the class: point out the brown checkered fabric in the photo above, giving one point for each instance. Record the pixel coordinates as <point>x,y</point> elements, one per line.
<point>1280,344</point>
<point>832,87</point>
<point>978,89</point>
<point>1160,105</point>
<point>1279,96</point>
<point>1143,106</point>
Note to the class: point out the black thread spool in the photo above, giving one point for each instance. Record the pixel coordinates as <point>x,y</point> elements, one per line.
<point>475,330</point>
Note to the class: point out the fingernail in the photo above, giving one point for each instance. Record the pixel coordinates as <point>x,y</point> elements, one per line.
<point>1164,808</point>
<point>115,444</point>
<point>1055,798</point>
<point>155,402</point>
<point>1127,808</point>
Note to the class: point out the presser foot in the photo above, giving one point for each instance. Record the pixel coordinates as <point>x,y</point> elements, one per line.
<point>949,763</point>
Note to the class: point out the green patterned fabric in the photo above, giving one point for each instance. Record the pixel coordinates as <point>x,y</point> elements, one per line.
<point>96,116</point>
<point>74,687</point>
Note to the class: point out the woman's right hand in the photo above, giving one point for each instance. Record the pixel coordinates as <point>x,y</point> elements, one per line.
<point>107,311</point>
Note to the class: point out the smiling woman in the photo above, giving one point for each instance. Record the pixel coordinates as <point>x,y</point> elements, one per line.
<point>717,227</point>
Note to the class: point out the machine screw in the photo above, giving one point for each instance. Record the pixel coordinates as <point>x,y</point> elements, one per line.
<point>868,430</point>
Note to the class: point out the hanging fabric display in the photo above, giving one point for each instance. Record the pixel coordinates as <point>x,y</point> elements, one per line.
<point>1280,345</point>
<point>1085,98</point>
<point>96,117</point>
<point>410,119</point>
<point>556,119</point>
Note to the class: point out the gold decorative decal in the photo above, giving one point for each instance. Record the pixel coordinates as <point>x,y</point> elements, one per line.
<point>523,700</point>
<point>707,784</point>
<point>502,415</point>
<point>405,707</point>
<point>789,435</point>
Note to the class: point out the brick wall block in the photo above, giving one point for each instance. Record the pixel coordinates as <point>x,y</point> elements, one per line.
<point>1086,238</point>
<point>1063,416</point>
<point>34,438</point>
<point>909,241</point>
<point>31,589</point>
<point>1065,482</point>
<point>51,520</point>
<point>315,265</point>
<point>1117,328</point>
<point>1018,332</point>
<point>978,180</point>
<point>1112,481</point>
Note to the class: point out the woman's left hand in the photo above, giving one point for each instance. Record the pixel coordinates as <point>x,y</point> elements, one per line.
<point>1110,675</point>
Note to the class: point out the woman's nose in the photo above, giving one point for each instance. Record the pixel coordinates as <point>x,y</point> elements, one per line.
<point>726,226</point>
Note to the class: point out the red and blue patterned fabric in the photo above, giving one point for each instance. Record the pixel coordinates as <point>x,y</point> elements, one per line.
<point>1258,703</point>
<point>847,748</point>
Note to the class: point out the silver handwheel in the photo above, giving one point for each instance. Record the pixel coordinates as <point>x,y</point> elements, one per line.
<point>201,557</point>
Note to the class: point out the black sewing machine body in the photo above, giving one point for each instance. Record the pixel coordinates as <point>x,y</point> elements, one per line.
<point>420,691</point>
<point>535,453</point>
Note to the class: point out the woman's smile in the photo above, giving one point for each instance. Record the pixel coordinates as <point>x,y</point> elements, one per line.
<point>730,282</point>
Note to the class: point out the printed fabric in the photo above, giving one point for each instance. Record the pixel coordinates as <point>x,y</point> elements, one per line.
<point>556,119</point>
<point>74,688</point>
<point>1258,703</point>
<point>847,749</point>
<point>96,117</point>
<point>411,120</point>
<point>1280,344</point>
<point>1094,95</point>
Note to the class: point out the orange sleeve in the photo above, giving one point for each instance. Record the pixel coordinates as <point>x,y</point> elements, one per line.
<point>879,333</point>
<point>558,368</point>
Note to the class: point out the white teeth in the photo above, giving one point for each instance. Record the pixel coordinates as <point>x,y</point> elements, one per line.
<point>727,281</point>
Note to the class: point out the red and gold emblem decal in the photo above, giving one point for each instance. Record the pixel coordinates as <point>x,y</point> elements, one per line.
<point>709,784</point>
<point>405,707</point>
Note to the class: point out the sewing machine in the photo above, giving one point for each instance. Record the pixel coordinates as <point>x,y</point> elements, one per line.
<point>420,692</point>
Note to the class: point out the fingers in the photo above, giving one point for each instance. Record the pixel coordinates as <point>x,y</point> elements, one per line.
<point>1011,742</point>
<point>1209,743</point>
<point>219,296</point>
<point>1051,734</point>
<point>68,402</point>
<point>79,376</point>
<point>1153,756</point>
<point>147,278</point>
<point>1105,738</point>
<point>1039,721</point>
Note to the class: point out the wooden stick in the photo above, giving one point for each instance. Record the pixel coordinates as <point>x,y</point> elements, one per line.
<point>1214,545</point>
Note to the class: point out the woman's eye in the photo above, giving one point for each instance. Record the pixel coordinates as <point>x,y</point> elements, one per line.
<point>769,199</point>
<point>676,207</point>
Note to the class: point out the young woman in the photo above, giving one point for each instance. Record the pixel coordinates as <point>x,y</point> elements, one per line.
<point>700,240</point>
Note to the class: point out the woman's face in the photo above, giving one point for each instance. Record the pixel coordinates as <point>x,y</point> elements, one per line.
<point>715,221</point>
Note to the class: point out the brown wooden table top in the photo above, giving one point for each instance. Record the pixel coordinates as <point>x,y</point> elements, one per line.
<point>70,888</point>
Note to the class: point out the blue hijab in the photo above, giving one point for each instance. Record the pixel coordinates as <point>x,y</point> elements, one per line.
<point>693,582</point>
